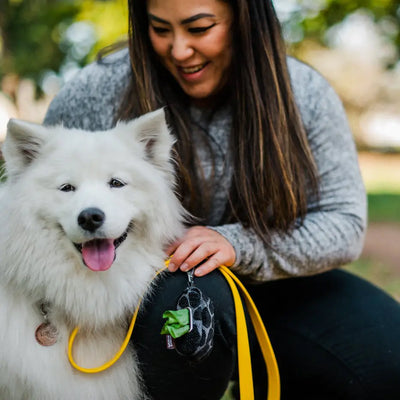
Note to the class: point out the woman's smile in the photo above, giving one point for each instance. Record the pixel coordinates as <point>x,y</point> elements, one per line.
<point>193,74</point>
<point>192,70</point>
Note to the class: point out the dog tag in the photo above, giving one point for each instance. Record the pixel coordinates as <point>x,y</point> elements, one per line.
<point>46,334</point>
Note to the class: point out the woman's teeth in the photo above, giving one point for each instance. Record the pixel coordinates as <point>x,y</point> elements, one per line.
<point>192,70</point>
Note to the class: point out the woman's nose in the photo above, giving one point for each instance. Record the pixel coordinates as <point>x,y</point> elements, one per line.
<point>181,48</point>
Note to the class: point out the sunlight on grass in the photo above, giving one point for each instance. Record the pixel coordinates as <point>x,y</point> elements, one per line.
<point>380,172</point>
<point>378,273</point>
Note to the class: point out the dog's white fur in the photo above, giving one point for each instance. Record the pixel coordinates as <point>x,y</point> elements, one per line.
<point>39,262</point>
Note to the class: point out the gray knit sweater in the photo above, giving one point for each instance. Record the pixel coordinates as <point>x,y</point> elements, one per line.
<point>333,230</point>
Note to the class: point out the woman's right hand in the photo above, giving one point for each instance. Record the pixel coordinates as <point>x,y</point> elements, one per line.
<point>200,245</point>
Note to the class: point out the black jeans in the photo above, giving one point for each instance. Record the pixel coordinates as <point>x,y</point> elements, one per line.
<point>335,336</point>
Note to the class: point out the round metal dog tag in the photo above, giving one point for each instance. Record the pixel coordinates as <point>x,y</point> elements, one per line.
<point>46,334</point>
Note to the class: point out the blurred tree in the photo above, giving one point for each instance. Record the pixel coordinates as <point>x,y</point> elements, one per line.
<point>312,19</point>
<point>31,32</point>
<point>110,19</point>
<point>42,36</point>
<point>38,36</point>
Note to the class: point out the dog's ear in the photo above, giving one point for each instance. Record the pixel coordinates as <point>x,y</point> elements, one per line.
<point>153,132</point>
<point>22,144</point>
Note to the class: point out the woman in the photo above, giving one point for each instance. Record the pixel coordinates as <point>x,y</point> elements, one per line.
<point>267,166</point>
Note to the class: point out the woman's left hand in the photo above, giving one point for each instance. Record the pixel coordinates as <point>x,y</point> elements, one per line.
<point>200,244</point>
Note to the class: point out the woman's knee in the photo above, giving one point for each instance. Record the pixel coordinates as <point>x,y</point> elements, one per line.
<point>335,336</point>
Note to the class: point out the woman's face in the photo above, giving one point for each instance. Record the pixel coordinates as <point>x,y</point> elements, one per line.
<point>194,42</point>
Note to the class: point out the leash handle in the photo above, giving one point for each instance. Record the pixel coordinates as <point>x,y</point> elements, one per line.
<point>246,388</point>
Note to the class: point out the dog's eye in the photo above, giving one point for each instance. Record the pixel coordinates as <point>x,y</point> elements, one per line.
<point>67,187</point>
<point>116,183</point>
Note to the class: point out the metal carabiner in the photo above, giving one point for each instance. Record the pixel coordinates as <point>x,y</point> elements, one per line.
<point>190,276</point>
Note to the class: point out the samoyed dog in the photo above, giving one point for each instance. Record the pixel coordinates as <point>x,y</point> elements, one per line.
<point>84,218</point>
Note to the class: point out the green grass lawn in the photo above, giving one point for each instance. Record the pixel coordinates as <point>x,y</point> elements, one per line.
<point>384,207</point>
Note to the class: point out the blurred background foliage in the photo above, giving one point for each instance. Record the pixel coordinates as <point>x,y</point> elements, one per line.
<point>312,19</point>
<point>44,37</point>
<point>353,43</point>
<point>39,36</point>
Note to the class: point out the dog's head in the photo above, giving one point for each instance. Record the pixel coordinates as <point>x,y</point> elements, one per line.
<point>96,190</point>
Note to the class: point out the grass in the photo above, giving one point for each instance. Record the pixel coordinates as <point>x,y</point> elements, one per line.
<point>381,174</point>
<point>384,207</point>
<point>227,395</point>
<point>378,273</point>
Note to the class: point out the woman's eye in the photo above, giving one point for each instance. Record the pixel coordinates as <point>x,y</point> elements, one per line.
<point>116,183</point>
<point>67,187</point>
<point>159,30</point>
<point>200,29</point>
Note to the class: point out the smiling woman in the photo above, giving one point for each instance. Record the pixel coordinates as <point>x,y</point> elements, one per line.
<point>194,48</point>
<point>267,166</point>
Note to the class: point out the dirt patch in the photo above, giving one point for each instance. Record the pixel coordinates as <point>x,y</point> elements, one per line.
<point>383,243</point>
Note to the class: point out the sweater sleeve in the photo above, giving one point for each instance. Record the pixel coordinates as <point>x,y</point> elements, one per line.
<point>333,229</point>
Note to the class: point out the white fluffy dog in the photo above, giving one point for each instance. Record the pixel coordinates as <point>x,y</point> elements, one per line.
<point>84,218</point>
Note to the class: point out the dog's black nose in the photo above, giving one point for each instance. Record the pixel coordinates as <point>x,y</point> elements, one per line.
<point>91,219</point>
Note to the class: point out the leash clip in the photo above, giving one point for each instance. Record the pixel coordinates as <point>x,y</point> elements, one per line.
<point>190,319</point>
<point>190,276</point>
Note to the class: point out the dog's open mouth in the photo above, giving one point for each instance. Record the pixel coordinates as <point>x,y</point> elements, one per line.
<point>99,254</point>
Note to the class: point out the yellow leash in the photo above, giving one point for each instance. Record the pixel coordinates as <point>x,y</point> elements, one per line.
<point>119,353</point>
<point>244,360</point>
<point>113,360</point>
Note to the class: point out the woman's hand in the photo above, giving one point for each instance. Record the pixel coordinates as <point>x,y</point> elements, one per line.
<point>199,244</point>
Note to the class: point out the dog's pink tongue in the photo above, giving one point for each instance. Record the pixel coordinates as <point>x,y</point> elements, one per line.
<point>98,254</point>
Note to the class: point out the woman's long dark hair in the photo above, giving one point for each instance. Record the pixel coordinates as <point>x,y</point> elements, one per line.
<point>273,168</point>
